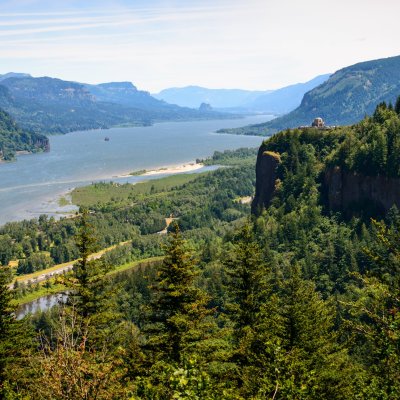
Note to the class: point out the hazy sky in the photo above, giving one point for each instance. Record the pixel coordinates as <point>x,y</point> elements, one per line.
<point>249,44</point>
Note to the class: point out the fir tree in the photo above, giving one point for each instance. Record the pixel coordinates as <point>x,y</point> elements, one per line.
<point>301,357</point>
<point>6,324</point>
<point>247,274</point>
<point>175,315</point>
<point>16,342</point>
<point>90,291</point>
<point>397,105</point>
<point>374,315</point>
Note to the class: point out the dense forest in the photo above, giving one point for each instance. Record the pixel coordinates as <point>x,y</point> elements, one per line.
<point>296,302</point>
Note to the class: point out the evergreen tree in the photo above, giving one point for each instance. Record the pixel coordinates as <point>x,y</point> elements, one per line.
<point>90,292</point>
<point>175,315</point>
<point>251,302</point>
<point>16,341</point>
<point>374,315</point>
<point>247,275</point>
<point>6,323</point>
<point>178,329</point>
<point>82,357</point>
<point>301,357</point>
<point>397,105</point>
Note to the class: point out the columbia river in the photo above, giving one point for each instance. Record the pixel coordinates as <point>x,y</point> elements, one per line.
<point>34,183</point>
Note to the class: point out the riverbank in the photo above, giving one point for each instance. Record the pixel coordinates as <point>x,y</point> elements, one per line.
<point>44,274</point>
<point>62,206</point>
<point>175,169</point>
<point>29,186</point>
<point>190,166</point>
<point>55,289</point>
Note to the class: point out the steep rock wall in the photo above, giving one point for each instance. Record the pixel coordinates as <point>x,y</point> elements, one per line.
<point>351,192</point>
<point>267,164</point>
<point>42,142</point>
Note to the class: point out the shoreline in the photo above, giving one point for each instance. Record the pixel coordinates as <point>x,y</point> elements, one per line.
<point>35,193</point>
<point>174,169</point>
<point>169,169</point>
<point>191,166</point>
<point>51,205</point>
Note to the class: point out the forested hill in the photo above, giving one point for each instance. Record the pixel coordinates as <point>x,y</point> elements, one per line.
<point>294,303</point>
<point>356,168</point>
<point>345,98</point>
<point>50,105</point>
<point>13,139</point>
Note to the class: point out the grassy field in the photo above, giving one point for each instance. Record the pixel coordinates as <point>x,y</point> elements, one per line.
<point>106,192</point>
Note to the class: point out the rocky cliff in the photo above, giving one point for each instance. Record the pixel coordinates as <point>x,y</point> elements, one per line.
<point>266,179</point>
<point>350,192</point>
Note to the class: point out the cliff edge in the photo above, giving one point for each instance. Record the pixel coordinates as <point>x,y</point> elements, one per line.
<point>350,192</point>
<point>266,179</point>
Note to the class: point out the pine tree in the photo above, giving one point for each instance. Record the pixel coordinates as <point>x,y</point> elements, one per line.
<point>175,315</point>
<point>374,316</point>
<point>247,274</point>
<point>250,292</point>
<point>397,105</point>
<point>301,358</point>
<point>176,328</point>
<point>6,322</point>
<point>16,342</point>
<point>90,292</point>
<point>82,358</point>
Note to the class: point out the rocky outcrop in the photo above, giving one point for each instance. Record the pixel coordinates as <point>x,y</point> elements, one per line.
<point>350,192</point>
<point>266,179</point>
<point>42,142</point>
<point>205,107</point>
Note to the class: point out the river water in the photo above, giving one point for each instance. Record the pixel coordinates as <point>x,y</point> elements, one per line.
<point>33,185</point>
<point>41,304</point>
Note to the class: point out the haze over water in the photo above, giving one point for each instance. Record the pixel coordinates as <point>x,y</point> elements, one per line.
<point>32,185</point>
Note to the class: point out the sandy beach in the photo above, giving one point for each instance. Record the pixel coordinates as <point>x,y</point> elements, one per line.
<point>174,169</point>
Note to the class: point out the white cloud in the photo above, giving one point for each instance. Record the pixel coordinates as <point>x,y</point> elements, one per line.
<point>253,44</point>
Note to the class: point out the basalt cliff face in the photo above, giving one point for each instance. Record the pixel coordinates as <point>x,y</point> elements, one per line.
<point>42,142</point>
<point>356,169</point>
<point>266,179</point>
<point>349,192</point>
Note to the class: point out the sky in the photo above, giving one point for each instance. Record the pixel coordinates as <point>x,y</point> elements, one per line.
<point>156,44</point>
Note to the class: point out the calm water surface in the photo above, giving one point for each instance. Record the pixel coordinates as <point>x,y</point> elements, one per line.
<point>42,304</point>
<point>33,185</point>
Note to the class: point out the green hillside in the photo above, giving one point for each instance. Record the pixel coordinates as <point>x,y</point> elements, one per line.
<point>13,139</point>
<point>345,98</point>
<point>49,105</point>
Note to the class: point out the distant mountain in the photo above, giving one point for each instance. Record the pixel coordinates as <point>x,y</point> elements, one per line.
<point>286,99</point>
<point>52,105</point>
<point>276,102</point>
<point>13,75</point>
<point>13,139</point>
<point>193,96</point>
<point>125,93</point>
<point>345,98</point>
